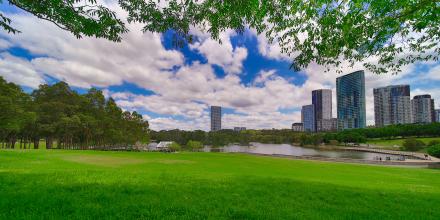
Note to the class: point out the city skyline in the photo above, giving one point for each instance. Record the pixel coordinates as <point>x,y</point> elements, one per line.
<point>174,88</point>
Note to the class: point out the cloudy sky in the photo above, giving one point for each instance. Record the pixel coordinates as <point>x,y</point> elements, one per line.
<point>173,88</point>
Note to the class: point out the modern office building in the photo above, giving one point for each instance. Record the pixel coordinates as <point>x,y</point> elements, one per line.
<point>298,127</point>
<point>327,125</point>
<point>308,118</point>
<point>216,118</point>
<point>423,109</point>
<point>238,129</point>
<point>322,102</point>
<point>392,105</point>
<point>437,115</point>
<point>350,94</point>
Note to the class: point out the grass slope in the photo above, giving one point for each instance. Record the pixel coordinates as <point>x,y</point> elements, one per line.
<point>397,142</point>
<point>59,184</point>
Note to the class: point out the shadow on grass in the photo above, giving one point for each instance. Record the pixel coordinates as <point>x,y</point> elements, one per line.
<point>64,196</point>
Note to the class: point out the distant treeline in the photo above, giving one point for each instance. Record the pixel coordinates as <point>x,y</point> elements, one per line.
<point>56,113</point>
<point>224,137</point>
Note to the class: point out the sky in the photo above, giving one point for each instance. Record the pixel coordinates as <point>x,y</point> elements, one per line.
<point>173,88</point>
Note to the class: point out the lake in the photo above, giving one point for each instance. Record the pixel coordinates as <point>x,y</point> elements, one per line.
<point>290,150</point>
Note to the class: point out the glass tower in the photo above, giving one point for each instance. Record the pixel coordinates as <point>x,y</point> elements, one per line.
<point>216,118</point>
<point>350,95</point>
<point>308,118</point>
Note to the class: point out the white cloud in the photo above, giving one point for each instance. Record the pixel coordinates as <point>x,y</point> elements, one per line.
<point>19,71</point>
<point>223,55</point>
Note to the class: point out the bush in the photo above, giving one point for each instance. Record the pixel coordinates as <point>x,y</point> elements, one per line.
<point>434,142</point>
<point>194,145</point>
<point>174,147</point>
<point>333,142</point>
<point>434,150</point>
<point>413,144</point>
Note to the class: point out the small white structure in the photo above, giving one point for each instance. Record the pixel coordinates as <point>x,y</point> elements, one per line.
<point>163,145</point>
<point>152,146</point>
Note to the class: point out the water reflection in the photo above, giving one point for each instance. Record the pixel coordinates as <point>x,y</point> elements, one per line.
<point>287,149</point>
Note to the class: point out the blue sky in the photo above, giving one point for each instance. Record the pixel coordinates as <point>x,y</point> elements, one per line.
<point>174,87</point>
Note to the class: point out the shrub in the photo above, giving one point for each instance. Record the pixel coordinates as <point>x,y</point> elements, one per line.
<point>434,150</point>
<point>333,142</point>
<point>434,142</point>
<point>413,144</point>
<point>194,145</point>
<point>174,147</point>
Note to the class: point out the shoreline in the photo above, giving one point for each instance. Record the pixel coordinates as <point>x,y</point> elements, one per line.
<point>412,163</point>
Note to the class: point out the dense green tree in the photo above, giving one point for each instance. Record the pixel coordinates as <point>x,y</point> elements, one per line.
<point>322,31</point>
<point>58,114</point>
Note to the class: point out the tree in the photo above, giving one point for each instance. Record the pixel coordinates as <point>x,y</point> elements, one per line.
<point>383,35</point>
<point>321,31</point>
<point>174,147</point>
<point>194,145</point>
<point>80,17</point>
<point>434,150</point>
<point>412,144</point>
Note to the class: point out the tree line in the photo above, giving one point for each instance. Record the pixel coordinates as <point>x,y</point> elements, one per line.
<point>287,136</point>
<point>58,114</point>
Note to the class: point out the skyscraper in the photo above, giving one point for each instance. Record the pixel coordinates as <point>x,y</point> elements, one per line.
<point>437,115</point>
<point>350,95</point>
<point>423,109</point>
<point>392,105</point>
<point>216,118</point>
<point>308,118</point>
<point>322,102</point>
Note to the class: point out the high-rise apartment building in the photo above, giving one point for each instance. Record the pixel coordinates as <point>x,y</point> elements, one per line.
<point>423,109</point>
<point>216,118</point>
<point>392,105</point>
<point>350,95</point>
<point>437,115</point>
<point>308,118</point>
<point>299,127</point>
<point>322,102</point>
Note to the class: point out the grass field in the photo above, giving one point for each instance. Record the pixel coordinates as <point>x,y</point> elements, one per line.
<point>397,142</point>
<point>56,184</point>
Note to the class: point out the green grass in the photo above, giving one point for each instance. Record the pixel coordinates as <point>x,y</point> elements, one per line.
<point>398,142</point>
<point>57,184</point>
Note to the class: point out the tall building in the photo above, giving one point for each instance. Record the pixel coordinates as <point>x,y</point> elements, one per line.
<point>238,129</point>
<point>437,115</point>
<point>322,102</point>
<point>350,95</point>
<point>298,127</point>
<point>327,125</point>
<point>216,118</point>
<point>392,105</point>
<point>308,118</point>
<point>423,109</point>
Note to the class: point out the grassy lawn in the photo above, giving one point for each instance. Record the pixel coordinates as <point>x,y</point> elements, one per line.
<point>56,184</point>
<point>398,142</point>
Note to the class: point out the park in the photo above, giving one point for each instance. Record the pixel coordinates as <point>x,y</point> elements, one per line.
<point>54,184</point>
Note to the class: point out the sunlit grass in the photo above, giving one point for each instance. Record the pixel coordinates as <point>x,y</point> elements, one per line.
<point>119,185</point>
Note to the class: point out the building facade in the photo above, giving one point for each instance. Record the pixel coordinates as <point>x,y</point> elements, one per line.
<point>327,125</point>
<point>322,102</point>
<point>308,118</point>
<point>350,95</point>
<point>297,127</point>
<point>216,118</point>
<point>392,105</point>
<point>437,115</point>
<point>238,129</point>
<point>423,109</point>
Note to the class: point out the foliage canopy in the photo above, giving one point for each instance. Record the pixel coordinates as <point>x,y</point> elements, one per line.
<point>383,35</point>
